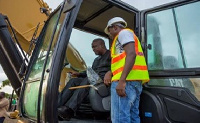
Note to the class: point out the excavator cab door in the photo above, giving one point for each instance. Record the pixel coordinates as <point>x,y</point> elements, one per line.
<point>170,33</point>
<point>44,69</point>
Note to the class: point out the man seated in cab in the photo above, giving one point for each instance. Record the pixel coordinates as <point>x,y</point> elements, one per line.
<point>70,100</point>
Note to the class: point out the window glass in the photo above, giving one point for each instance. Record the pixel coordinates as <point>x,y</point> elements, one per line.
<point>165,52</point>
<point>82,42</point>
<point>188,20</point>
<point>79,54</point>
<point>173,36</point>
<point>32,85</point>
<point>37,68</point>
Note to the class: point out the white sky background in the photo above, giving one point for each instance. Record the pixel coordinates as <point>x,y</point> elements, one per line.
<point>3,77</point>
<point>139,4</point>
<point>144,4</point>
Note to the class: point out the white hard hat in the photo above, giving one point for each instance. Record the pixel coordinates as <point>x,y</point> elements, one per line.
<point>114,20</point>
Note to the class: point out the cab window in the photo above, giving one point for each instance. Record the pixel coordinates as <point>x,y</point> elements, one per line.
<point>173,37</point>
<point>85,49</point>
<point>33,82</point>
<point>79,54</point>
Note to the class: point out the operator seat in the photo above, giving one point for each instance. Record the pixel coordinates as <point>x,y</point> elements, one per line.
<point>100,99</point>
<point>170,62</point>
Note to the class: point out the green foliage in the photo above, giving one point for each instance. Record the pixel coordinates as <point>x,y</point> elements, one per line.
<point>5,82</point>
<point>10,95</point>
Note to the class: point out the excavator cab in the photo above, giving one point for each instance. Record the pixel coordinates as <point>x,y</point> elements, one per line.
<point>166,32</point>
<point>57,52</point>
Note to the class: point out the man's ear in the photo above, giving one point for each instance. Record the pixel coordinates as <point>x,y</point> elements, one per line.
<point>115,27</point>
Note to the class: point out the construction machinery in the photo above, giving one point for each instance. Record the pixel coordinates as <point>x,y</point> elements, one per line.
<point>169,36</point>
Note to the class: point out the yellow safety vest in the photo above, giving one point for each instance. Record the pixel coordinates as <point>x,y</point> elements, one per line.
<point>139,70</point>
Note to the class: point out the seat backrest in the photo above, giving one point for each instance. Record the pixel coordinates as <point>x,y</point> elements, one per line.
<point>170,62</point>
<point>100,99</point>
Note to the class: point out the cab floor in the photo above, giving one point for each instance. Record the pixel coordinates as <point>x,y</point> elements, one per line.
<point>85,121</point>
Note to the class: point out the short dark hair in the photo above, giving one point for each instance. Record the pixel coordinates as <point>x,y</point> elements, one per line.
<point>3,94</point>
<point>101,41</point>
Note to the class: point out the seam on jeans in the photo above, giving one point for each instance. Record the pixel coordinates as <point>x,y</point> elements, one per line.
<point>128,97</point>
<point>137,88</point>
<point>119,107</point>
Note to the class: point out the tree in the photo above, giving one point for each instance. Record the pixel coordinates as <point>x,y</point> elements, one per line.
<point>5,82</point>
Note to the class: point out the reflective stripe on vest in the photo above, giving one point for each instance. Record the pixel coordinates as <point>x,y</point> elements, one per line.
<point>139,70</point>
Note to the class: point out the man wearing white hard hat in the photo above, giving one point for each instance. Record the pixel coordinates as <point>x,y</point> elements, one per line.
<point>128,72</point>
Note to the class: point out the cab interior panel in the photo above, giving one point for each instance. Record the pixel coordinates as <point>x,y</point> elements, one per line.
<point>94,15</point>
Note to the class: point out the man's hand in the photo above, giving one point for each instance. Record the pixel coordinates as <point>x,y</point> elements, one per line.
<point>107,78</point>
<point>75,74</point>
<point>121,88</point>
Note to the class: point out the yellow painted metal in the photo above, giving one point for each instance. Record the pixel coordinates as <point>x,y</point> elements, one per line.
<point>24,16</point>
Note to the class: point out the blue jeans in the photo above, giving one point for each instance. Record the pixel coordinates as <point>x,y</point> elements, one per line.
<point>126,109</point>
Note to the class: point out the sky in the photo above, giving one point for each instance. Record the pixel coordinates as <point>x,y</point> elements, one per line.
<point>3,77</point>
<point>139,4</point>
<point>144,4</point>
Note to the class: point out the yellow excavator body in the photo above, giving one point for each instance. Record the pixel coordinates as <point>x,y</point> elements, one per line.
<point>24,16</point>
